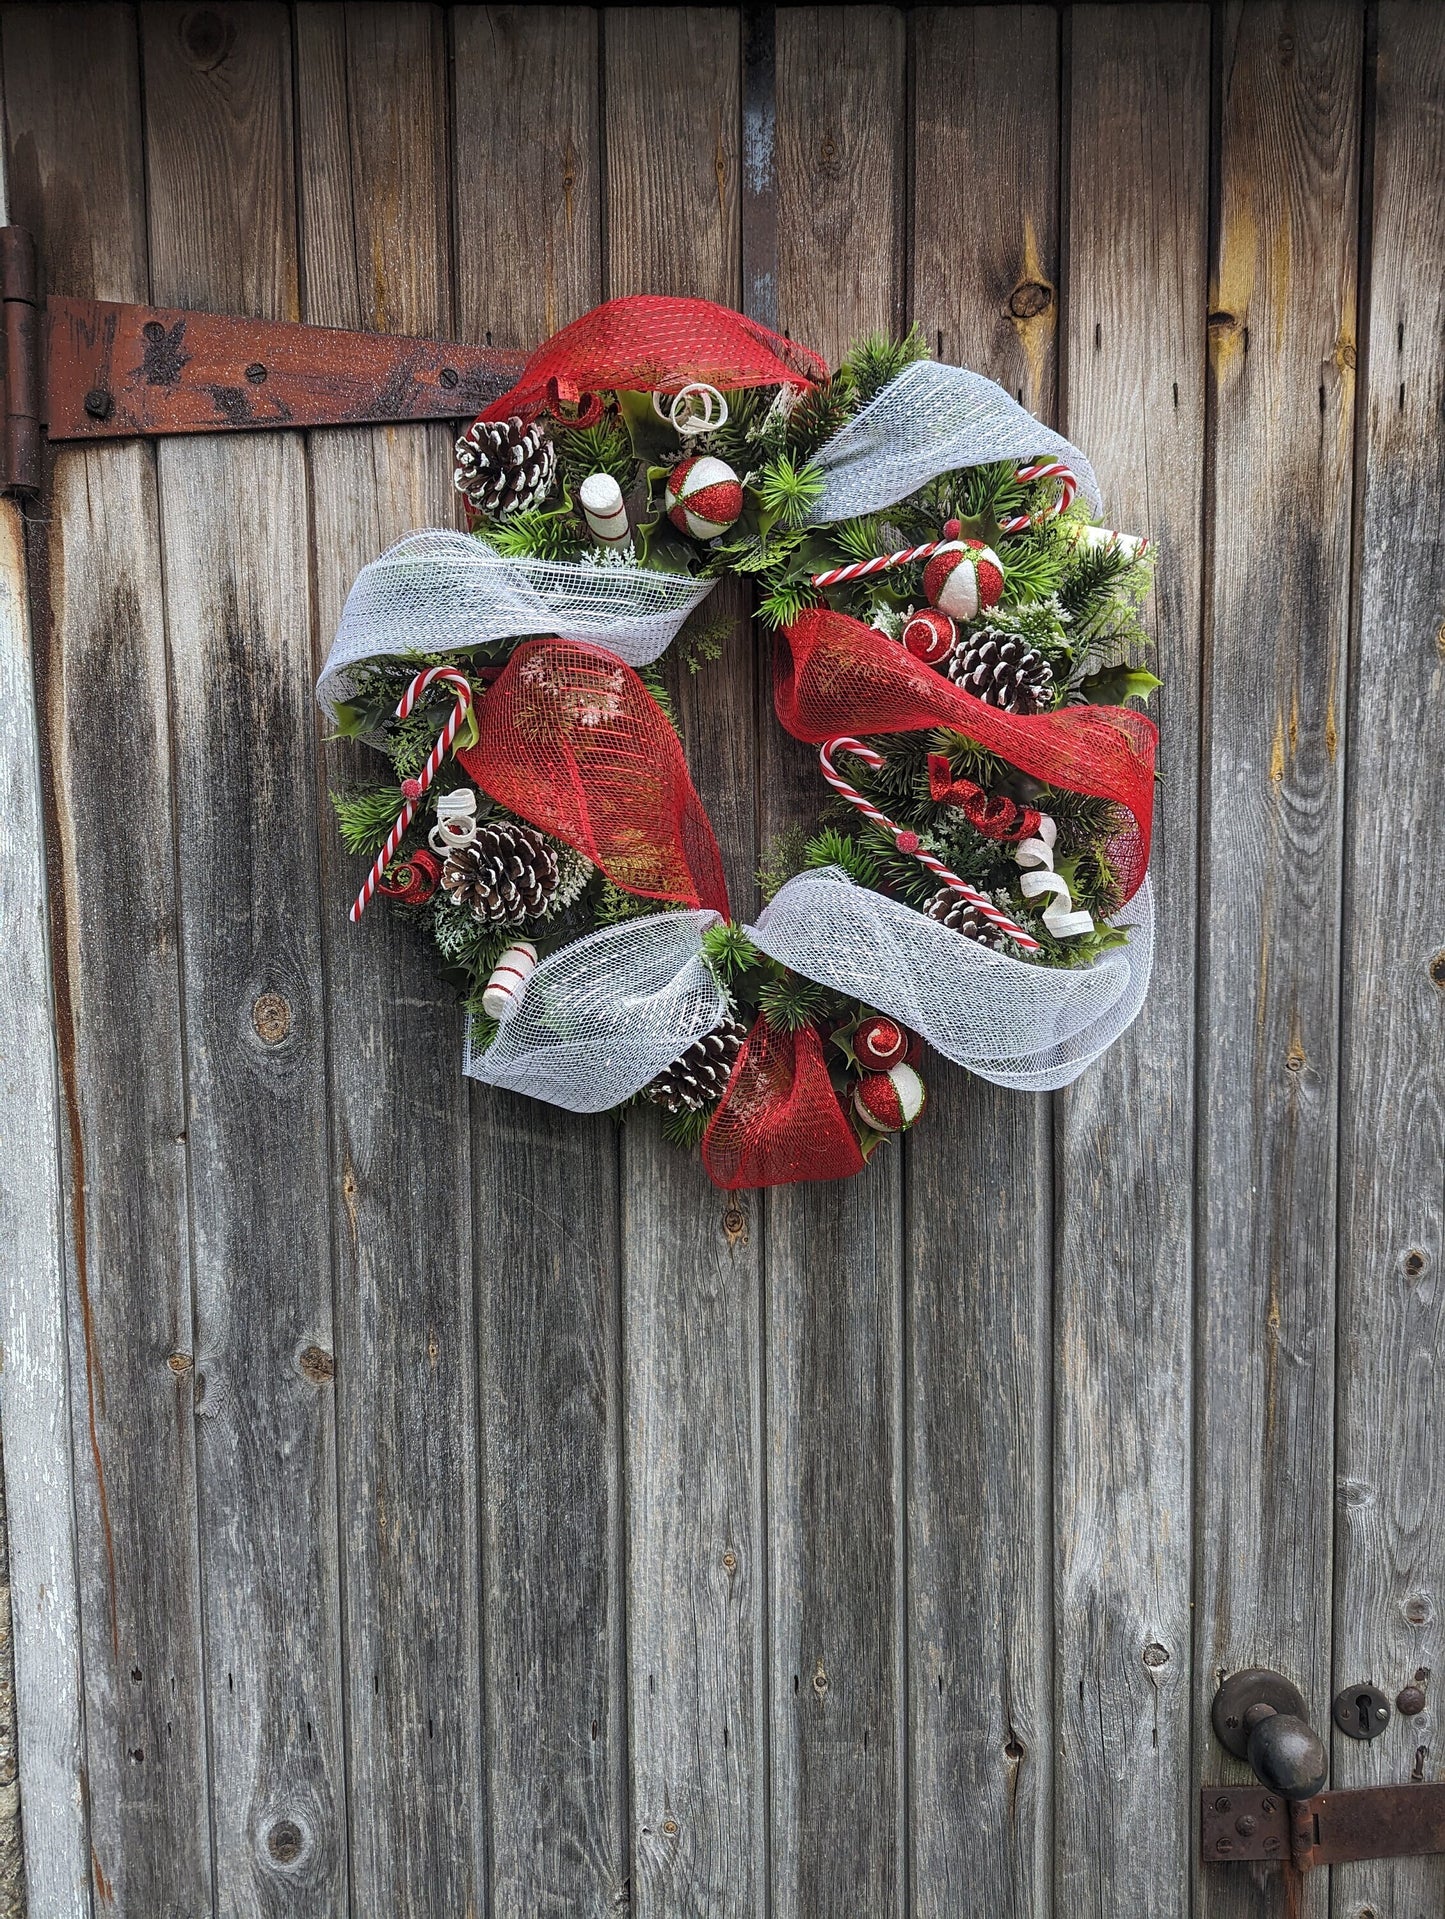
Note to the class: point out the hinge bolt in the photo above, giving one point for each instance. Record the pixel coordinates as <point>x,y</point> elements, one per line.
<point>447,377</point>
<point>99,404</point>
<point>255,373</point>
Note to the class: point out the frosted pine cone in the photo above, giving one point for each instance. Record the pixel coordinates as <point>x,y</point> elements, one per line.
<point>1003,671</point>
<point>503,466</point>
<point>700,1077</point>
<point>952,909</point>
<point>508,874</point>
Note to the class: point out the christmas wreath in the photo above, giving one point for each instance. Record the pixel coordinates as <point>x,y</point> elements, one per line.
<point>956,637</point>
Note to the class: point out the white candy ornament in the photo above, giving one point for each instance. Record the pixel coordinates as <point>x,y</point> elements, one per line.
<point>704,497</point>
<point>456,822</point>
<point>1094,538</point>
<point>602,507</point>
<point>510,974</point>
<point>890,1102</point>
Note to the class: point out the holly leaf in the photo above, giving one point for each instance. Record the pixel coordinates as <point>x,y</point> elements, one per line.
<point>1116,685</point>
<point>351,722</point>
<point>653,439</point>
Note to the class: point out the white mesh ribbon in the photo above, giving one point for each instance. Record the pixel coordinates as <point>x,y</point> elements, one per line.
<point>599,1018</point>
<point>443,592</point>
<point>1025,1026</point>
<point>931,419</point>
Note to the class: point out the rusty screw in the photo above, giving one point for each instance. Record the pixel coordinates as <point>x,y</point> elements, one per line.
<point>99,404</point>
<point>255,373</point>
<point>447,377</point>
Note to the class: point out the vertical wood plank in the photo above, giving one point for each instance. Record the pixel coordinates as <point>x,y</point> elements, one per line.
<point>834,1279</point>
<point>1390,1565</point>
<point>73,103</point>
<point>545,1182</point>
<point>234,518</point>
<point>1135,382</point>
<point>1282,355</point>
<point>697,1573</point>
<point>374,198</point>
<point>41,1676</point>
<point>978,1214</point>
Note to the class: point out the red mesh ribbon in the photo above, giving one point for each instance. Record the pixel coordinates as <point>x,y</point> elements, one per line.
<point>839,676</point>
<point>569,738</point>
<point>779,1122</point>
<point>645,343</point>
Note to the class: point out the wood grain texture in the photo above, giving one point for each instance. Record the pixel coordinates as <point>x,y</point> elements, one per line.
<point>978,1215</point>
<point>234,520</point>
<point>545,1182</point>
<point>1135,384</point>
<point>42,1660</point>
<point>986,193</point>
<point>1282,354</point>
<point>1390,1455</point>
<point>372,144</point>
<point>74,119</point>
<point>834,1286</point>
<point>696,1567</point>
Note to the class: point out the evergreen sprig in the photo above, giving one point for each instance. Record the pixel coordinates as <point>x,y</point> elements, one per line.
<point>788,491</point>
<point>790,1002</point>
<point>365,818</point>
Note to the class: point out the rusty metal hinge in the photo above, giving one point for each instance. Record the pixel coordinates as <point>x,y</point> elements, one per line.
<point>99,370</point>
<point>1370,1822</point>
<point>20,427</point>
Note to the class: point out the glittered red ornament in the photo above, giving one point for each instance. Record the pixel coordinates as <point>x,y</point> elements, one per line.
<point>890,1102</point>
<point>411,881</point>
<point>879,1043</point>
<point>929,636</point>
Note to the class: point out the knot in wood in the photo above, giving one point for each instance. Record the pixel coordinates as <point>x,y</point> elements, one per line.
<point>284,1842</point>
<point>1156,1655</point>
<point>206,37</point>
<point>317,1366</point>
<point>669,1827</point>
<point>1029,299</point>
<point>271,1017</point>
<point>1437,965</point>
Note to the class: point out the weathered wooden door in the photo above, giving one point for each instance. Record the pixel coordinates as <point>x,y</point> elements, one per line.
<point>424,1502</point>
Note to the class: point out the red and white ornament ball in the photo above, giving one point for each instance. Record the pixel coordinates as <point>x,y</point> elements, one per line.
<point>890,1102</point>
<point>964,577</point>
<point>704,496</point>
<point>879,1043</point>
<point>929,636</point>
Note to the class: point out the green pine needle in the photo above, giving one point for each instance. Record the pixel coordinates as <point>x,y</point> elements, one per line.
<point>364,819</point>
<point>785,601</point>
<point>534,535</point>
<point>686,1128</point>
<point>603,448</point>
<point>728,952</point>
<point>791,1002</point>
<point>788,491</point>
<point>832,847</point>
<point>870,363</point>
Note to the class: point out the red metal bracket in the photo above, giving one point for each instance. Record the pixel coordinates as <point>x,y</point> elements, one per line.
<point>95,370</point>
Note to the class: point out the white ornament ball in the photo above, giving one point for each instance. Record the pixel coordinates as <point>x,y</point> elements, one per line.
<point>704,497</point>
<point>513,969</point>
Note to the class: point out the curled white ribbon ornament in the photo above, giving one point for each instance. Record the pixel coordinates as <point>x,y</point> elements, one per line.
<point>693,409</point>
<point>456,822</point>
<point>1063,919</point>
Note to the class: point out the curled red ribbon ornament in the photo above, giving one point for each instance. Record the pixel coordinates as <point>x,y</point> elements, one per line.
<point>647,343</point>
<point>836,675</point>
<point>570,739</point>
<point>780,1121</point>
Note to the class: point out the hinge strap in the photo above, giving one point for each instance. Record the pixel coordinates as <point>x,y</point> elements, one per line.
<point>20,427</point>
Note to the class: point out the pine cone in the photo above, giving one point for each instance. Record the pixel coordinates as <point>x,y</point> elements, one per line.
<point>700,1077</point>
<point>952,909</point>
<point>1002,670</point>
<point>503,466</point>
<point>508,874</point>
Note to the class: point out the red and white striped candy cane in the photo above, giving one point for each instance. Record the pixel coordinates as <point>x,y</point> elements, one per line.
<point>414,789</point>
<point>1043,470</point>
<point>908,841</point>
<point>861,568</point>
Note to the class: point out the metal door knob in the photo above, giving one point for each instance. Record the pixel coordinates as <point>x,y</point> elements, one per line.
<point>1259,1716</point>
<point>1287,1754</point>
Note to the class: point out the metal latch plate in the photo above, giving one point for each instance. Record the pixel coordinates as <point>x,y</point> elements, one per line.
<point>1370,1822</point>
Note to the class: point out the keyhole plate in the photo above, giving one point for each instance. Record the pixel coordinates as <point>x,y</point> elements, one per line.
<point>1361,1712</point>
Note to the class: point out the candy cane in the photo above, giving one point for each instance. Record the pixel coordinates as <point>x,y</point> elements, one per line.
<point>1043,470</point>
<point>861,568</point>
<point>907,841</point>
<point>413,790</point>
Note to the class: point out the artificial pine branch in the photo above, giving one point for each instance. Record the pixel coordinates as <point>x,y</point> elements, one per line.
<point>788,491</point>
<point>365,818</point>
<point>791,1002</point>
<point>870,363</point>
<point>833,847</point>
